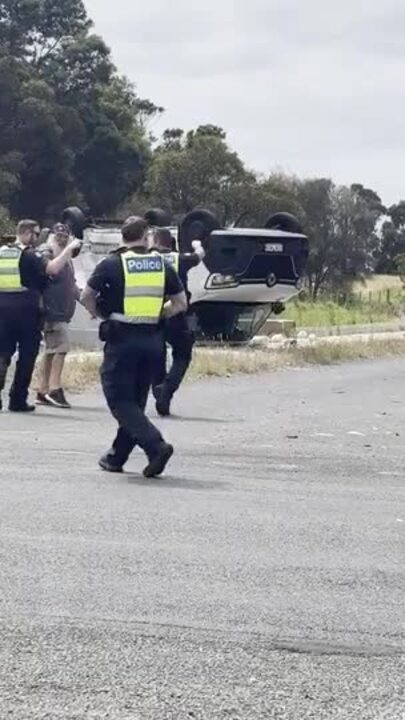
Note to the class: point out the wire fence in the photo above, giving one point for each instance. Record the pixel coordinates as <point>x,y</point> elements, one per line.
<point>386,296</point>
<point>348,308</point>
<point>380,297</point>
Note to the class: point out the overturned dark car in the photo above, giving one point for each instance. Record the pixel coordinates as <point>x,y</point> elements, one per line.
<point>246,276</point>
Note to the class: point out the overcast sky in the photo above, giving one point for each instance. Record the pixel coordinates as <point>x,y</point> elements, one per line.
<point>297,84</point>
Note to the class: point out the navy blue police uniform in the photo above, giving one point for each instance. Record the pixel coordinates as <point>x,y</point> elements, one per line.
<point>22,280</point>
<point>180,336</point>
<point>133,337</point>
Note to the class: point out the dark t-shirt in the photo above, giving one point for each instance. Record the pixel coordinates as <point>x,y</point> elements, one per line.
<point>108,281</point>
<point>60,295</point>
<point>33,276</point>
<point>186,262</point>
<point>179,323</point>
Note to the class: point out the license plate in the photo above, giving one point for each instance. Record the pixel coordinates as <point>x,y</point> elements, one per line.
<point>273,248</point>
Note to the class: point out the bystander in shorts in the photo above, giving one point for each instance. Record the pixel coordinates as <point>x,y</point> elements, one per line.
<point>58,306</point>
<point>56,336</point>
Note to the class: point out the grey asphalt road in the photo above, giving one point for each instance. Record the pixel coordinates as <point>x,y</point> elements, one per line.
<point>263,577</point>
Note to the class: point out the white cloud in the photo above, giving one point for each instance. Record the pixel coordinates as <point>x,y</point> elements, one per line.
<point>301,85</point>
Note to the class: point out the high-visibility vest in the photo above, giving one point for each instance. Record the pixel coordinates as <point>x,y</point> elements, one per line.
<point>174,259</point>
<point>144,288</point>
<point>10,279</point>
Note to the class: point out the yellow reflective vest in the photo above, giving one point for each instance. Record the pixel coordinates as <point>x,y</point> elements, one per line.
<point>10,279</point>
<point>144,288</point>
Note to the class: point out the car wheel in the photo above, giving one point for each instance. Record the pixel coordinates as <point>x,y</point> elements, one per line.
<point>76,220</point>
<point>157,217</point>
<point>284,221</point>
<point>197,225</point>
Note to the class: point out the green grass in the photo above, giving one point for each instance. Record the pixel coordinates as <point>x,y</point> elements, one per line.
<point>376,299</point>
<point>375,283</point>
<point>359,312</point>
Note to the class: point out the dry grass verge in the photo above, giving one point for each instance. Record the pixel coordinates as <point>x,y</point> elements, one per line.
<point>221,363</point>
<point>82,371</point>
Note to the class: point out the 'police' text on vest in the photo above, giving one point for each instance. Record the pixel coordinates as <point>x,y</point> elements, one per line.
<point>144,265</point>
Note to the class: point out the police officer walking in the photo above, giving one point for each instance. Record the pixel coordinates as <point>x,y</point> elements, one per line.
<point>178,333</point>
<point>23,276</point>
<point>133,289</point>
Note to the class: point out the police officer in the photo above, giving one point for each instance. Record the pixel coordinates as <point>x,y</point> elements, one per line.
<point>133,289</point>
<point>23,276</point>
<point>178,333</point>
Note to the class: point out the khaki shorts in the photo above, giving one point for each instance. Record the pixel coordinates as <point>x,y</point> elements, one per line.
<point>56,338</point>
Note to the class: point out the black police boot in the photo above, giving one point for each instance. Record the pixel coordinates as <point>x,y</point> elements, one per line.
<point>163,399</point>
<point>20,407</point>
<point>108,466</point>
<point>158,463</point>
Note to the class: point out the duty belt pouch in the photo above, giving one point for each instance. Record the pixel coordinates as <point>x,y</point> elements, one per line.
<point>103,331</point>
<point>111,331</point>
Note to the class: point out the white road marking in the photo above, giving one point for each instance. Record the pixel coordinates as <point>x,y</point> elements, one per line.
<point>356,433</point>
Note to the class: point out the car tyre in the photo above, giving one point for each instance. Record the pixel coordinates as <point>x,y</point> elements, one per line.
<point>76,220</point>
<point>156,217</point>
<point>284,221</point>
<point>197,225</point>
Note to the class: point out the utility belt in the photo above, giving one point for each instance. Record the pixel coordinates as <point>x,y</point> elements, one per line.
<point>114,331</point>
<point>182,323</point>
<point>20,303</point>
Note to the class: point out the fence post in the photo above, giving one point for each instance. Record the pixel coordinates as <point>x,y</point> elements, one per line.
<point>388,296</point>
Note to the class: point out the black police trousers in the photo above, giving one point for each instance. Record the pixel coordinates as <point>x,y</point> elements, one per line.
<point>20,329</point>
<point>181,340</point>
<point>126,374</point>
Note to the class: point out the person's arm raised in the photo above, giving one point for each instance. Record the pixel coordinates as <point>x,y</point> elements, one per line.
<point>53,267</point>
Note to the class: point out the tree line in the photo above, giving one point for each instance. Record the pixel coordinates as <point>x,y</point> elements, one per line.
<point>72,130</point>
<point>75,131</point>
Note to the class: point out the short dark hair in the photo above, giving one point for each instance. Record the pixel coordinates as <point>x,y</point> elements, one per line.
<point>163,238</point>
<point>134,228</point>
<point>26,226</point>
